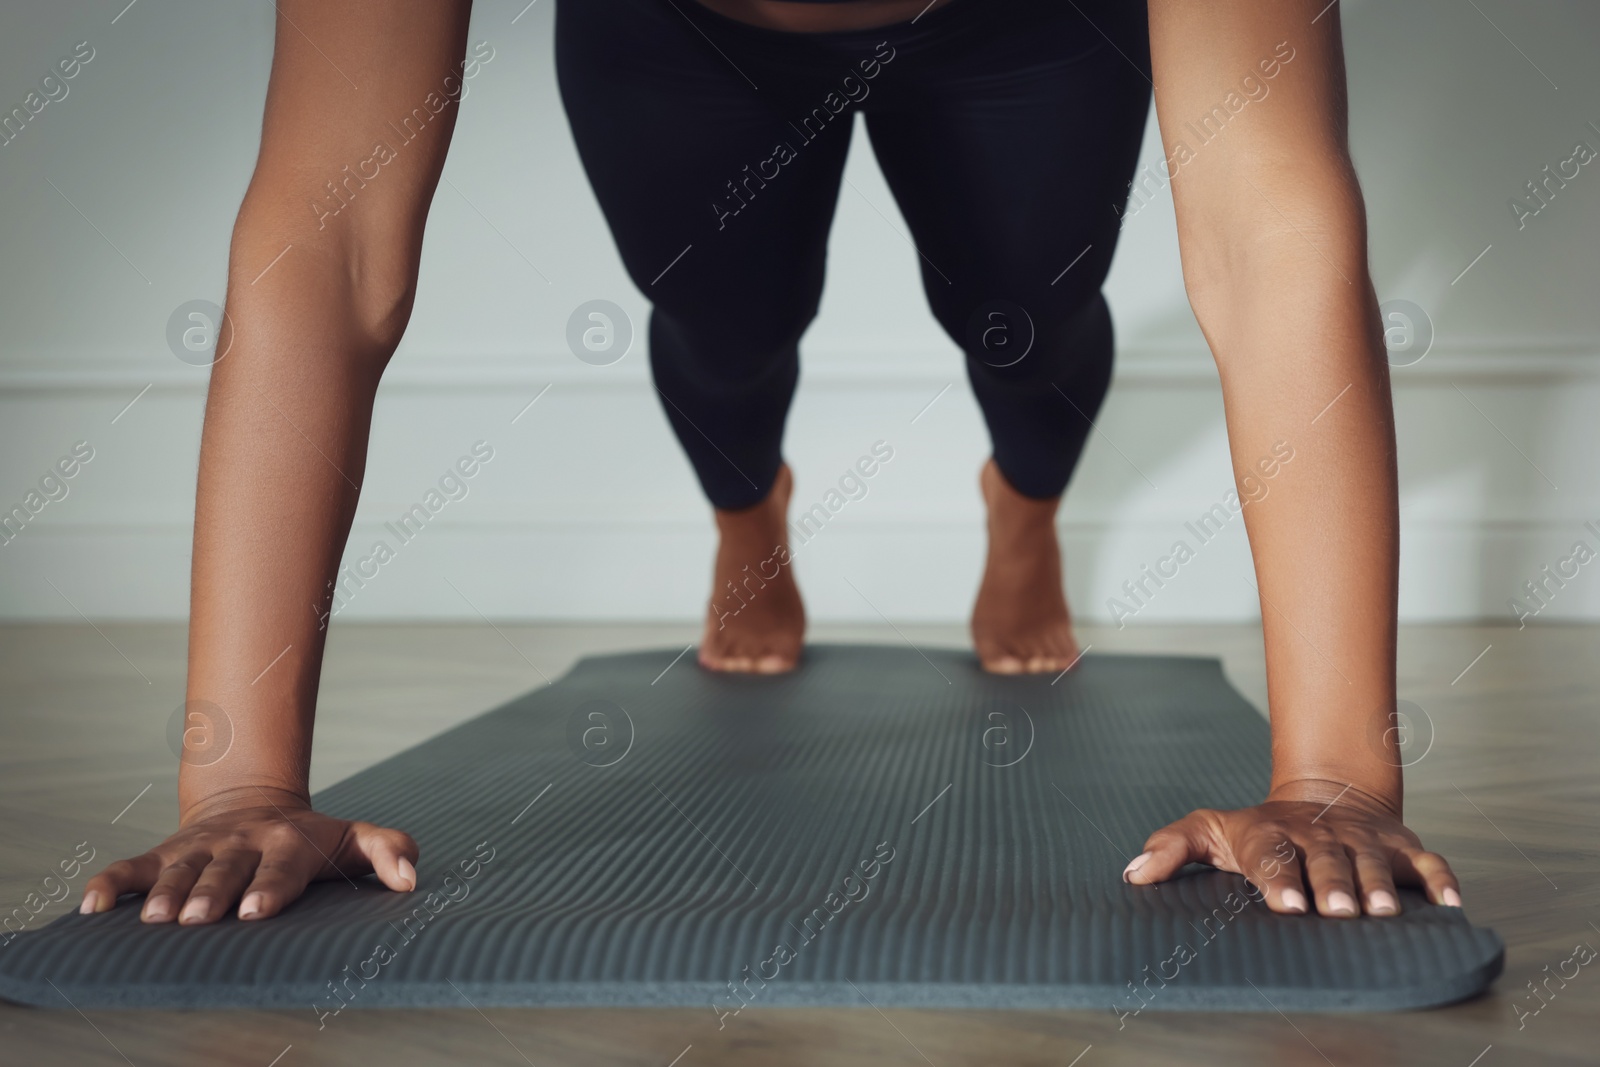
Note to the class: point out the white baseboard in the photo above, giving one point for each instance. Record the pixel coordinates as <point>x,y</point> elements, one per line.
<point>922,572</point>
<point>1480,360</point>
<point>589,511</point>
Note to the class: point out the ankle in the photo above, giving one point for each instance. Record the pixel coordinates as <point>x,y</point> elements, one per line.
<point>761,516</point>
<point>1010,510</point>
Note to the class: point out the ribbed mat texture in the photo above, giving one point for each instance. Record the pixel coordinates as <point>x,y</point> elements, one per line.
<point>883,825</point>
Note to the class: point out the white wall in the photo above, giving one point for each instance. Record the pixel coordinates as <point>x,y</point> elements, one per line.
<point>589,511</point>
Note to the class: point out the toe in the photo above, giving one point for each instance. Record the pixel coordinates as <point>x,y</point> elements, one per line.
<point>1004,663</point>
<point>773,663</point>
<point>716,661</point>
<point>1057,663</point>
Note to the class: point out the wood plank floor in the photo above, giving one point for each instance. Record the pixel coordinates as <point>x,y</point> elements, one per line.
<point>1508,791</point>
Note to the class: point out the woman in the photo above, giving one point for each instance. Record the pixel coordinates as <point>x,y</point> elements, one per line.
<point>714,132</point>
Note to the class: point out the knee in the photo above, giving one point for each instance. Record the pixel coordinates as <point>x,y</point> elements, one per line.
<point>1035,336</point>
<point>738,342</point>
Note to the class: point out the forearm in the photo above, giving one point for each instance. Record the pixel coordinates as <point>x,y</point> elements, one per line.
<point>282,455</point>
<point>1273,237</point>
<point>1293,324</point>
<point>322,272</point>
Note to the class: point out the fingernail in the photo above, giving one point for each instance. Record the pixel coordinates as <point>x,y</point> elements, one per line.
<point>1138,861</point>
<point>91,903</point>
<point>408,873</point>
<point>1293,899</point>
<point>1451,898</point>
<point>1341,903</point>
<point>1383,903</point>
<point>195,910</point>
<point>251,907</point>
<point>158,910</point>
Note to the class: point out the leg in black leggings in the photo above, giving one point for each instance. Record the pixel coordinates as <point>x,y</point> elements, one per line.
<point>734,271</point>
<point>1007,130</point>
<point>1010,161</point>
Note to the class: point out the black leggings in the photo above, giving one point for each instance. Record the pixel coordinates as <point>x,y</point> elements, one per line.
<point>1007,129</point>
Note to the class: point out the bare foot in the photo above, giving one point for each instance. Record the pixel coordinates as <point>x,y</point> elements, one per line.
<point>1020,623</point>
<point>756,622</point>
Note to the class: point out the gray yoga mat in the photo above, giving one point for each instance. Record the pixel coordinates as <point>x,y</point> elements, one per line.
<point>882,826</point>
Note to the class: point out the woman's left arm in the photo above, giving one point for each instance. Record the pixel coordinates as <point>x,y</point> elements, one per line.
<point>1250,95</point>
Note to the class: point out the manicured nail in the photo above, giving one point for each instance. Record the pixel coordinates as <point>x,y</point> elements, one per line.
<point>1383,903</point>
<point>91,903</point>
<point>251,907</point>
<point>1138,861</point>
<point>1341,903</point>
<point>408,873</point>
<point>195,910</point>
<point>1293,899</point>
<point>158,910</point>
<point>1451,898</point>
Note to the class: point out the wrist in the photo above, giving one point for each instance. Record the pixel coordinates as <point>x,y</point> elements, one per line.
<point>200,805</point>
<point>1373,797</point>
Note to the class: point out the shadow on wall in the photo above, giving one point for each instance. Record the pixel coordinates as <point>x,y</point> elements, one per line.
<point>1446,138</point>
<point>1483,213</point>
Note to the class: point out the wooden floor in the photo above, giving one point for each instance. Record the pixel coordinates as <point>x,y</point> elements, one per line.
<point>1508,792</point>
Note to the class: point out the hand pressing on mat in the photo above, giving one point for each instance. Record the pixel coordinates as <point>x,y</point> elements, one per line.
<point>260,856</point>
<point>1342,843</point>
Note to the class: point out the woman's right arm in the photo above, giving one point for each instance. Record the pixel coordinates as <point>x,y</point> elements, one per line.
<point>321,275</point>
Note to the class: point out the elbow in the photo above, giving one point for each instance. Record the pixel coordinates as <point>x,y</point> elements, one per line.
<point>1275,252</point>
<point>356,284</point>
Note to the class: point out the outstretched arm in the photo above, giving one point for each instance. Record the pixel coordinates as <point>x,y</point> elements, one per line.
<point>324,259</point>
<point>1250,95</point>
